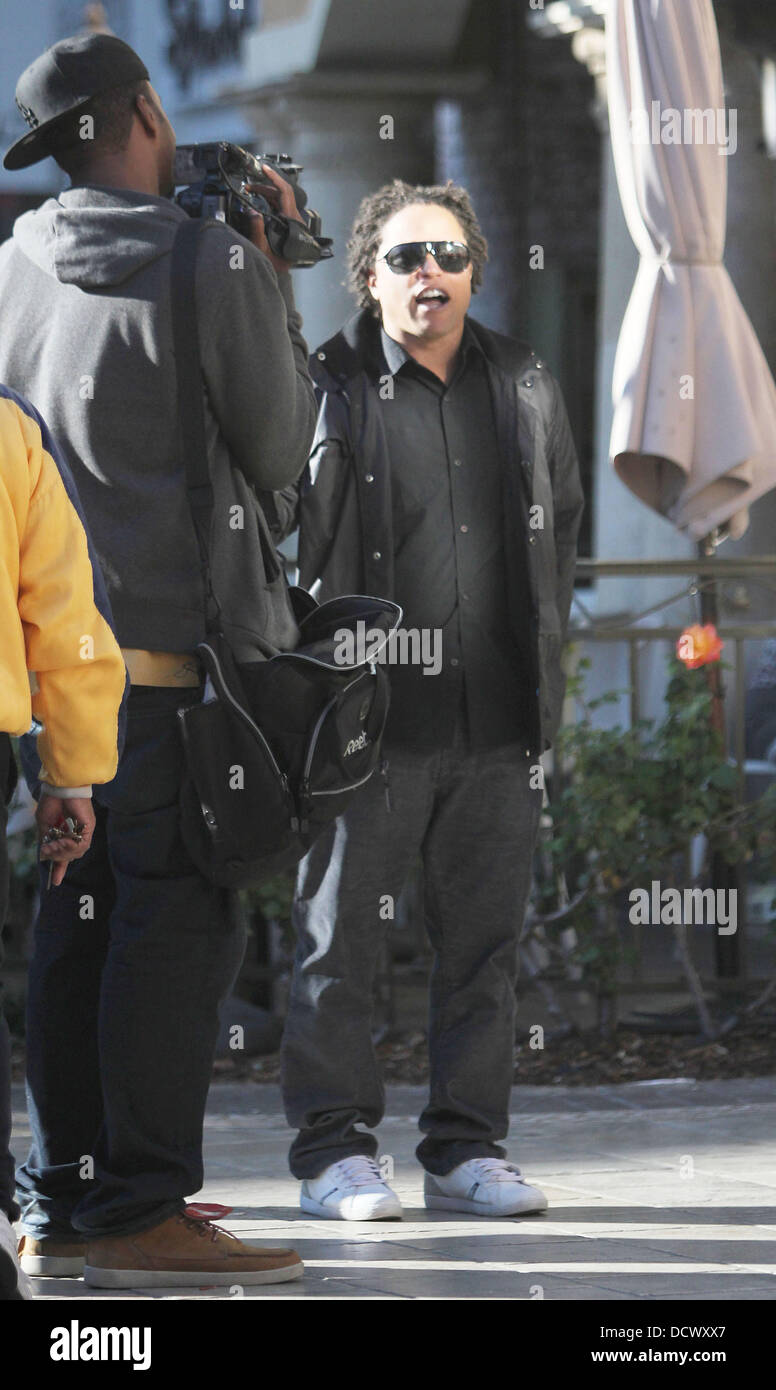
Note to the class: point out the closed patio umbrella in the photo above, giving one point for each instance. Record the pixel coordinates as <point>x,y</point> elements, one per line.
<point>694,425</point>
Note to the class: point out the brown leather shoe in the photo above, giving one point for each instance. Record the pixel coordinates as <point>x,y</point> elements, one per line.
<point>52,1259</point>
<point>185,1249</point>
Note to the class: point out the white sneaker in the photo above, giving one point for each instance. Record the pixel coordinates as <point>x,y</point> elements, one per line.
<point>14,1283</point>
<point>484,1187</point>
<point>351,1190</point>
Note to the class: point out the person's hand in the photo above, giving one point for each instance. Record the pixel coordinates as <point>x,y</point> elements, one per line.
<point>286,204</point>
<point>51,811</point>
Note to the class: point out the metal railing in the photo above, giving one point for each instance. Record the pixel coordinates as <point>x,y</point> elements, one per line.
<point>706,572</point>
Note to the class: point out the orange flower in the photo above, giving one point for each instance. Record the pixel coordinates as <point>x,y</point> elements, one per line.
<point>698,646</point>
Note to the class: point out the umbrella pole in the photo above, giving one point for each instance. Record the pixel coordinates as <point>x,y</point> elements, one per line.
<point>724,876</point>
<point>707,587</point>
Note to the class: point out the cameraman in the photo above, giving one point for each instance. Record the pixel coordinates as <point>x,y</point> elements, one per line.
<point>135,950</point>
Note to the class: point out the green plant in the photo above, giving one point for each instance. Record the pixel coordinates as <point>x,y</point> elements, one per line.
<point>273,898</point>
<point>631,805</point>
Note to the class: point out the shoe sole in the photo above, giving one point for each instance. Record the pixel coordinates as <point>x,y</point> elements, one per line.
<point>478,1208</point>
<point>394,1211</point>
<point>53,1266</point>
<point>98,1278</point>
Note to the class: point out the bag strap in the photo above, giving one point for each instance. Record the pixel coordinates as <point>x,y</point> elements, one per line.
<point>191,406</point>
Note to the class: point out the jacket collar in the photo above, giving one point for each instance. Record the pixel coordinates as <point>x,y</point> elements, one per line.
<point>356,348</point>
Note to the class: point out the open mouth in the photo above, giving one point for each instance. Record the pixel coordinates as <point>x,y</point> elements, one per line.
<point>432,299</point>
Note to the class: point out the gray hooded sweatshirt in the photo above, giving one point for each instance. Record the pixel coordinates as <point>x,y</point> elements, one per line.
<point>86,334</point>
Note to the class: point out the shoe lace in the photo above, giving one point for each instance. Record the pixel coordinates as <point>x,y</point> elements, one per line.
<point>199,1218</point>
<point>359,1171</point>
<point>498,1170</point>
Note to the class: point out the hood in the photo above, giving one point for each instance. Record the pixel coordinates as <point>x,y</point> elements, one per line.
<point>95,237</point>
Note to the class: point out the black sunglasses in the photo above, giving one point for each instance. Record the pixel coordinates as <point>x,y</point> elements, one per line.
<point>452,256</point>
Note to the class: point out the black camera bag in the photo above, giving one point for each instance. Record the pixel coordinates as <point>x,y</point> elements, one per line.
<point>278,745</point>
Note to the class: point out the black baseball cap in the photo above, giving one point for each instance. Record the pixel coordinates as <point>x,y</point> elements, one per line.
<point>64,79</point>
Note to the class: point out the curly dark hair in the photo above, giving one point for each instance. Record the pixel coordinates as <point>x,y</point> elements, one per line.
<point>376,209</point>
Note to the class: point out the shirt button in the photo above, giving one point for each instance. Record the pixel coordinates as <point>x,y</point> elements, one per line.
<point>465,597</point>
<point>369,477</point>
<point>532,540</point>
<point>457,463</point>
<point>453,660</point>
<point>464,529</point>
<point>321,356</point>
<point>376,555</point>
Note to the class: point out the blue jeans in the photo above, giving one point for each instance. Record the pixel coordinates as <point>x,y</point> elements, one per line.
<point>132,956</point>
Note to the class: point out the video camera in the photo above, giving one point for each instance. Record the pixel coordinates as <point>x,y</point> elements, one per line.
<point>219,180</point>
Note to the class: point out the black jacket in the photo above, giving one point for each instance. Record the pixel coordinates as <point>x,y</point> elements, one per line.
<point>344,496</point>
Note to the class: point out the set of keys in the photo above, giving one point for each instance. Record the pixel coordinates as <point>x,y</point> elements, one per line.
<point>68,829</point>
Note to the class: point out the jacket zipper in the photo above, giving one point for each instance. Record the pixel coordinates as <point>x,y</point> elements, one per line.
<point>208,814</point>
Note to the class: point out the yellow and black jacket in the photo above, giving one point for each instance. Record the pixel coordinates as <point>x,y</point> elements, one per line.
<point>55,618</point>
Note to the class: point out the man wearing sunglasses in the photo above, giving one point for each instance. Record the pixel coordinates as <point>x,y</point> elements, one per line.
<point>443,475</point>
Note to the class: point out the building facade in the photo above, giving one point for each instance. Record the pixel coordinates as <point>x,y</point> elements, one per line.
<point>505,96</point>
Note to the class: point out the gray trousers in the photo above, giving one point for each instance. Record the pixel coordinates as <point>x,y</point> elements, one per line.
<point>473,818</point>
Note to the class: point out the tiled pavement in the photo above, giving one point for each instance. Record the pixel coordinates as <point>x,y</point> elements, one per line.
<point>658,1191</point>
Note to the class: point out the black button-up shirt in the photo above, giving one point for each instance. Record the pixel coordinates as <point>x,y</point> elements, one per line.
<point>450,572</point>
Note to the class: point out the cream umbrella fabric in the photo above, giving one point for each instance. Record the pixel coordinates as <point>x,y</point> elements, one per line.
<point>694,427</point>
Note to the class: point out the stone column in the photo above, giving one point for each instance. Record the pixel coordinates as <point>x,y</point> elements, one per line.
<point>335,127</point>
